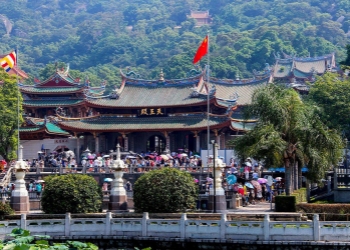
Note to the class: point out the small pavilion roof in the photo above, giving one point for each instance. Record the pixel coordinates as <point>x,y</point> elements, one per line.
<point>303,67</point>
<point>174,123</point>
<point>47,128</point>
<point>283,68</point>
<point>320,64</point>
<point>241,89</point>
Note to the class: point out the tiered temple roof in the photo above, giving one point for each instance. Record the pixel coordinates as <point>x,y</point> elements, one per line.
<point>138,93</point>
<point>301,69</point>
<point>135,94</point>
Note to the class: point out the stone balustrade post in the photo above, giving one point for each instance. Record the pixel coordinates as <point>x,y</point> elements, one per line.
<point>144,225</point>
<point>183,226</point>
<point>223,221</point>
<point>108,223</point>
<point>67,223</point>
<point>24,221</point>
<point>316,224</point>
<point>267,227</point>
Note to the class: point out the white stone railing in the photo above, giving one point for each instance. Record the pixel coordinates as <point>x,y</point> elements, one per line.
<point>184,228</point>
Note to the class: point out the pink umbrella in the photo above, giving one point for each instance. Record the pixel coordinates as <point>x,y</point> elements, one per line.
<point>262,180</point>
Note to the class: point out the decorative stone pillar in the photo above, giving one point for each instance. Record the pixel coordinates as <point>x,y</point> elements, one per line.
<point>167,140</point>
<point>218,140</point>
<point>197,140</point>
<point>19,198</point>
<point>97,142</point>
<point>126,141</point>
<point>78,148</point>
<point>217,199</point>
<point>118,198</point>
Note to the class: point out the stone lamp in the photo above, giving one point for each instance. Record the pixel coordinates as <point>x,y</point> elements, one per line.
<point>118,197</point>
<point>19,197</point>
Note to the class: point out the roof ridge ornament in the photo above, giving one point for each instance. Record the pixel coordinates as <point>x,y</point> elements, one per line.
<point>212,90</point>
<point>130,73</point>
<point>114,95</point>
<point>161,76</point>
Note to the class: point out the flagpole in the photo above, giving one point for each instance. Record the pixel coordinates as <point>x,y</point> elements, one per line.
<point>18,142</point>
<point>208,104</point>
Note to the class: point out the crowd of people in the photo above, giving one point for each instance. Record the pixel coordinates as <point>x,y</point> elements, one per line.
<point>249,184</point>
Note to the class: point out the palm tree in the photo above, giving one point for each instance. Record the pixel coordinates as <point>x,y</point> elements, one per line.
<point>288,132</point>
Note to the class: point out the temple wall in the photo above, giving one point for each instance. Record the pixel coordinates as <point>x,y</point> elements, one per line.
<point>31,147</point>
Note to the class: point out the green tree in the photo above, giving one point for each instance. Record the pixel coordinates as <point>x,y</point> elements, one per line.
<point>71,193</point>
<point>331,95</point>
<point>346,62</point>
<point>290,133</point>
<point>10,115</point>
<point>167,190</point>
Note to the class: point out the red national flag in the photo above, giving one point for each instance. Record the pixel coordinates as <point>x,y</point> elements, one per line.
<point>202,51</point>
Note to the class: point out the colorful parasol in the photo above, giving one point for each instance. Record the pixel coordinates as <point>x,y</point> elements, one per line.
<point>262,180</point>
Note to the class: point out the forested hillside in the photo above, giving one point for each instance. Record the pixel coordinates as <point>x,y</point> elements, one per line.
<point>100,36</point>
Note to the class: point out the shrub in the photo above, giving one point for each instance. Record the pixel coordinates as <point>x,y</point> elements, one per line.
<point>285,203</point>
<point>165,191</point>
<point>300,195</point>
<point>5,209</point>
<point>336,212</point>
<point>71,193</point>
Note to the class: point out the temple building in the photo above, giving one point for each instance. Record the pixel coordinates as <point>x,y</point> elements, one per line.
<point>296,71</point>
<point>140,115</point>
<point>148,115</point>
<point>201,17</point>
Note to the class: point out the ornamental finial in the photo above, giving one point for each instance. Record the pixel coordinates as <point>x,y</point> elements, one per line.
<point>161,75</point>
<point>118,151</point>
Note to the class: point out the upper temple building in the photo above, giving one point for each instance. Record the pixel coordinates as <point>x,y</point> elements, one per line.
<point>296,71</point>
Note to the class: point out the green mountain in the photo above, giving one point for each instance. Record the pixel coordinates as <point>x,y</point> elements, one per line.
<point>98,37</point>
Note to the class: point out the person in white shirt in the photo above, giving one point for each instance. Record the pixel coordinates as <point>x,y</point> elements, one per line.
<point>73,165</point>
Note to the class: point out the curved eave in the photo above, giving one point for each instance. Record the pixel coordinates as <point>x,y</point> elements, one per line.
<point>24,130</point>
<point>137,125</point>
<point>50,91</point>
<point>49,128</point>
<point>56,104</point>
<point>241,125</point>
<point>96,105</point>
<point>57,133</point>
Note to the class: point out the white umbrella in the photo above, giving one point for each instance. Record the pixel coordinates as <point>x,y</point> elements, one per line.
<point>248,164</point>
<point>164,157</point>
<point>40,181</point>
<point>108,179</point>
<point>106,156</point>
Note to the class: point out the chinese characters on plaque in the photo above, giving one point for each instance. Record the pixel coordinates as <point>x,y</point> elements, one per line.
<point>61,140</point>
<point>152,112</point>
